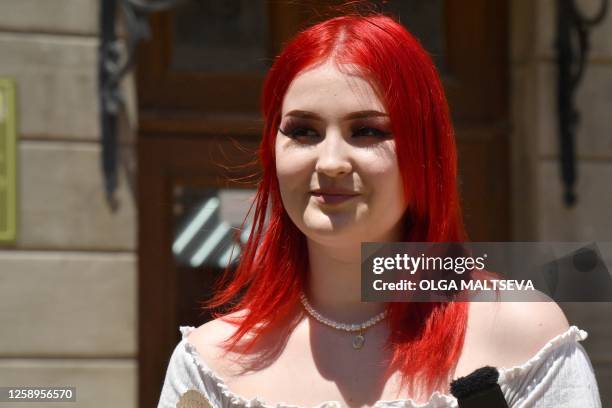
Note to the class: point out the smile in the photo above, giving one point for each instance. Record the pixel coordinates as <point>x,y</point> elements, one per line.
<point>332,198</point>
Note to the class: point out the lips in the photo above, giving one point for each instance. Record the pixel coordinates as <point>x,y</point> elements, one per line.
<point>334,192</point>
<point>333,197</point>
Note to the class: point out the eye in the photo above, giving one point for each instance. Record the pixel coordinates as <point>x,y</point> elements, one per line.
<point>371,132</point>
<point>298,131</point>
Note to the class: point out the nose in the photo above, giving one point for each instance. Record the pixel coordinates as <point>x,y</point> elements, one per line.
<point>333,158</point>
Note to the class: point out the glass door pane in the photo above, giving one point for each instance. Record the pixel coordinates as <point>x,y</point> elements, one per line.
<point>220,36</point>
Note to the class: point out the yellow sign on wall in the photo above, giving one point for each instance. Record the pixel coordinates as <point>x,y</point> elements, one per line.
<point>8,165</point>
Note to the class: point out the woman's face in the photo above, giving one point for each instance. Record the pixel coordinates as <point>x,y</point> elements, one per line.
<point>335,160</point>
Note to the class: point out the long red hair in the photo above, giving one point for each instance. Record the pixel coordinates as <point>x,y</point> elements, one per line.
<point>426,338</point>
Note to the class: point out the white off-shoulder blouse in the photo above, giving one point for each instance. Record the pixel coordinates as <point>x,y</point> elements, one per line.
<point>559,375</point>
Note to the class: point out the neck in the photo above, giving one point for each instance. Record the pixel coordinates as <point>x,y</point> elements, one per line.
<point>334,283</point>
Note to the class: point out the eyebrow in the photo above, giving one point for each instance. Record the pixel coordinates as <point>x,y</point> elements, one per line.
<point>353,115</point>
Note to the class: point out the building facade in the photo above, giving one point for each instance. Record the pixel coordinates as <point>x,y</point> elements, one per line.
<point>71,283</point>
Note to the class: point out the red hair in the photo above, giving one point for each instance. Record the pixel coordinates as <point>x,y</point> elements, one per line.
<point>426,338</point>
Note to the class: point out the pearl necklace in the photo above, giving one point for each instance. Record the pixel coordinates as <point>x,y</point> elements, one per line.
<point>359,339</point>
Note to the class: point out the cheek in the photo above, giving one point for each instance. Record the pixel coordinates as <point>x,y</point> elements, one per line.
<point>284,168</point>
<point>292,167</point>
<point>391,181</point>
<point>289,174</point>
<point>293,180</point>
<point>386,180</point>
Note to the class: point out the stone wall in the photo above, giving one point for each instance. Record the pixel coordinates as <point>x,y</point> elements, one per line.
<point>538,210</point>
<point>68,286</point>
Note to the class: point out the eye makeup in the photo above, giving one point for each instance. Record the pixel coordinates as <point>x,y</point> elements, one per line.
<point>296,128</point>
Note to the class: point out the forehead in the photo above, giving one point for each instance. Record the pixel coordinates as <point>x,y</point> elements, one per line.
<point>325,89</point>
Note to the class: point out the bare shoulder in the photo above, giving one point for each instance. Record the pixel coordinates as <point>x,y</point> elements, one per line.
<point>214,331</point>
<point>516,331</point>
<point>208,340</point>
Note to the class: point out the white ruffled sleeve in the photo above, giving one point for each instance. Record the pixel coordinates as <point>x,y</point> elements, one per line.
<point>560,375</point>
<point>182,376</point>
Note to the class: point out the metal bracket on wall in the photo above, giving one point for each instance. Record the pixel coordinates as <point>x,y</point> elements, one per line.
<point>112,66</point>
<point>8,161</point>
<point>572,48</point>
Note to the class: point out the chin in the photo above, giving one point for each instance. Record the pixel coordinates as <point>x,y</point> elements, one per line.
<point>326,228</point>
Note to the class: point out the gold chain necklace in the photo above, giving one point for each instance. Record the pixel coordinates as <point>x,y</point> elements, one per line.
<point>359,339</point>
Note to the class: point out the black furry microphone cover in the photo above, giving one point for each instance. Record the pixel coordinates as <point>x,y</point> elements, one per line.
<point>479,389</point>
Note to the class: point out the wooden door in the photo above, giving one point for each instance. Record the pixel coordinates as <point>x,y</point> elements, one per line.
<point>199,126</point>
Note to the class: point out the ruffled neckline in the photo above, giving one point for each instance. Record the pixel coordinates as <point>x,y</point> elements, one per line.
<point>436,400</point>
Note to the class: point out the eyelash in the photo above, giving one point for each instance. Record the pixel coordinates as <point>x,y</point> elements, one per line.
<point>293,130</point>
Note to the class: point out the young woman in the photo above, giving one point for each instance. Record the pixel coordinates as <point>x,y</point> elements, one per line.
<point>358,147</point>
